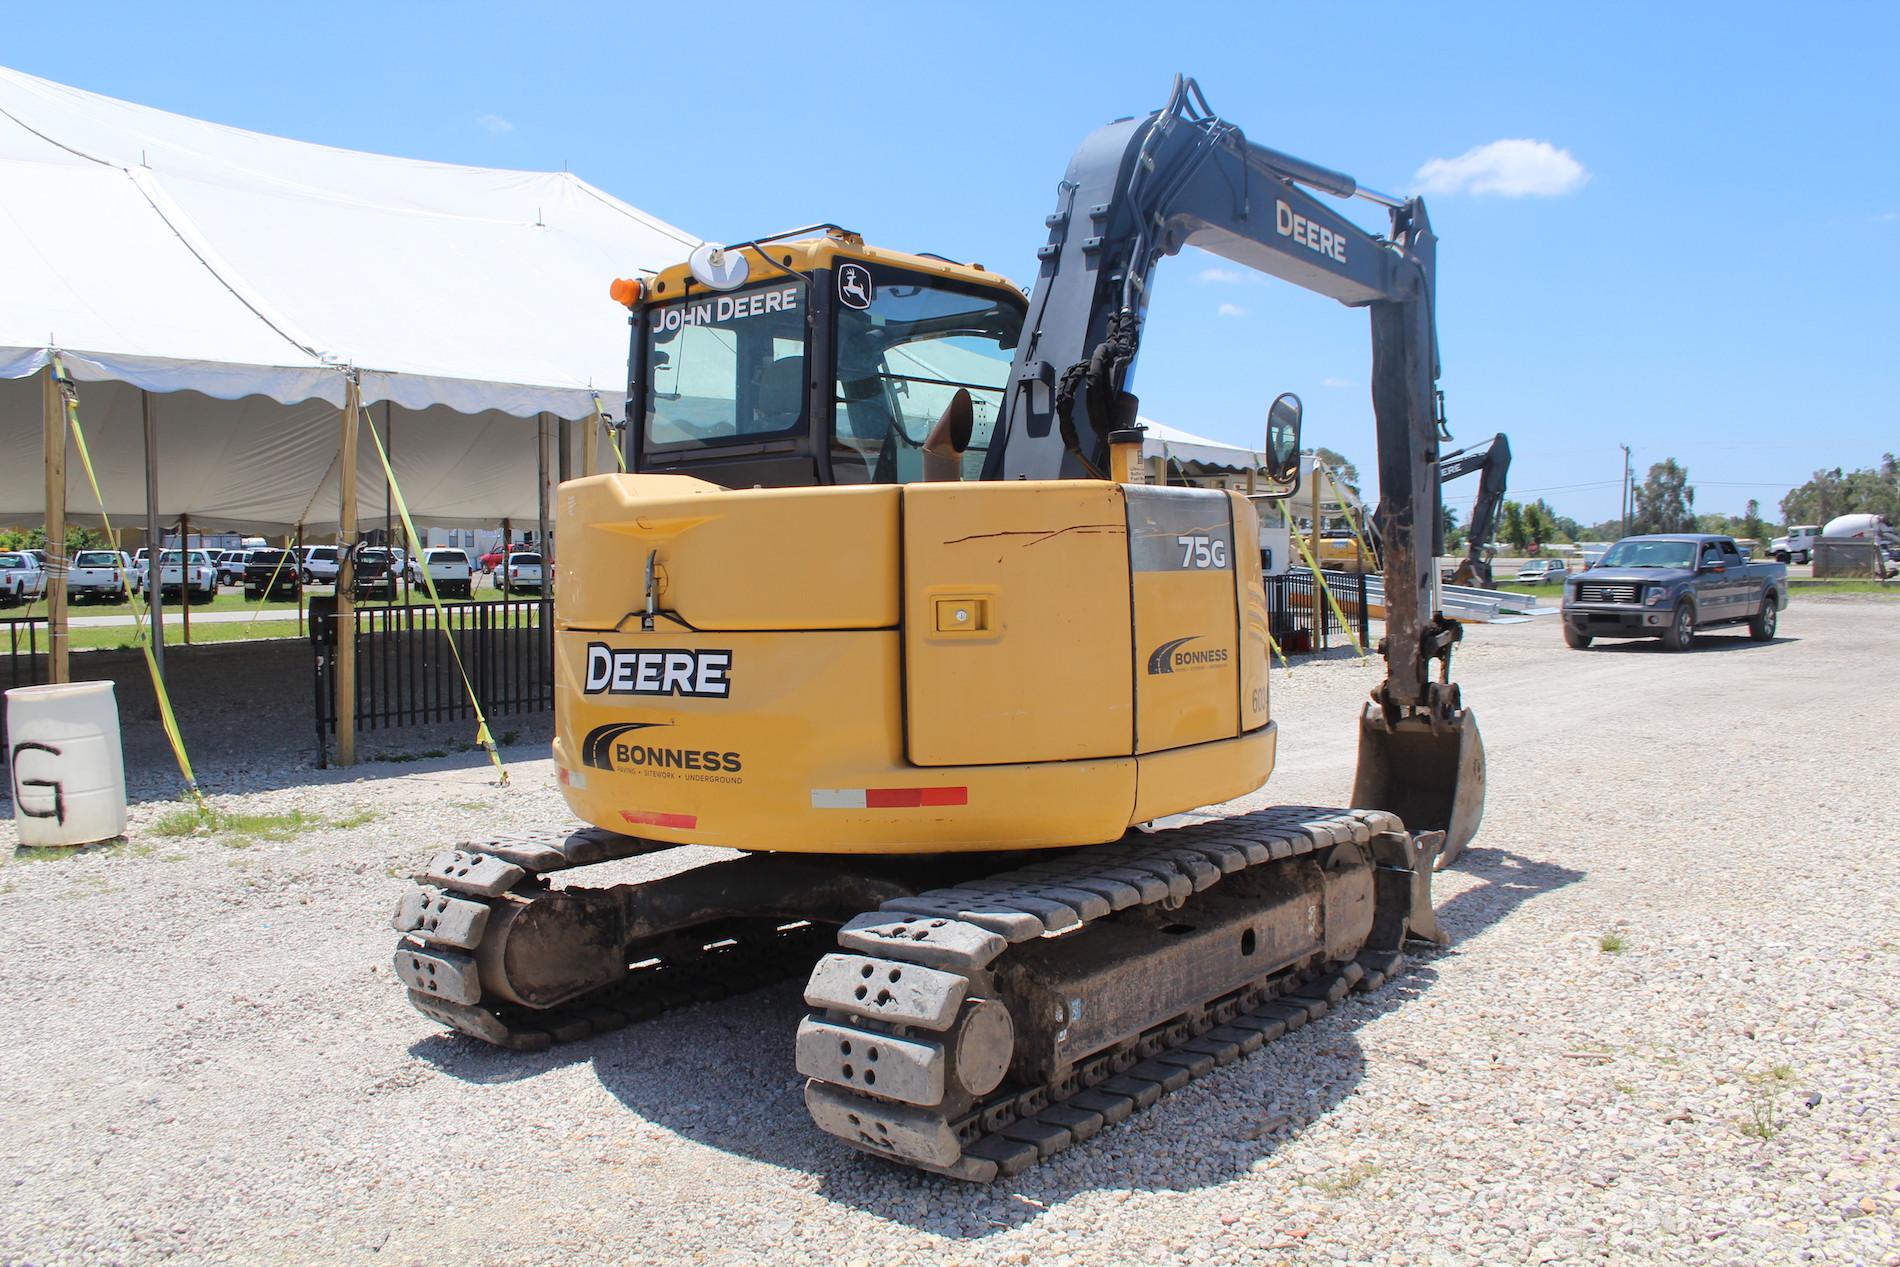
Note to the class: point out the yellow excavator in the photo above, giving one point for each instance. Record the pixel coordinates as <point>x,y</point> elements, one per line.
<point>884,604</point>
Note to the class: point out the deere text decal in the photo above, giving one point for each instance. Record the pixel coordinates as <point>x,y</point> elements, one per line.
<point>660,671</point>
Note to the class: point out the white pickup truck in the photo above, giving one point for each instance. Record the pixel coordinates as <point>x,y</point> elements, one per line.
<point>98,575</point>
<point>519,571</point>
<point>22,578</point>
<point>194,575</point>
<point>448,568</point>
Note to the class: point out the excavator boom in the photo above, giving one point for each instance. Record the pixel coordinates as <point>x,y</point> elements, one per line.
<point>1142,189</point>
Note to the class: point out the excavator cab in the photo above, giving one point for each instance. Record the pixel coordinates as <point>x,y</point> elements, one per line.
<point>815,360</point>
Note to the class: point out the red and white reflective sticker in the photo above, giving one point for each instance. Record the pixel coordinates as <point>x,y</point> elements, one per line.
<point>887,797</point>
<point>648,818</point>
<point>570,778</point>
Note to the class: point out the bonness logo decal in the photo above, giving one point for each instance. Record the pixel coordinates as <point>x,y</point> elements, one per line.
<point>1168,656</point>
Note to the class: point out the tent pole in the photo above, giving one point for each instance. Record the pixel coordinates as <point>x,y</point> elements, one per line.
<point>346,581</point>
<point>412,550</point>
<point>1314,548</point>
<point>152,538</point>
<point>389,504</point>
<point>541,494</point>
<point>296,552</point>
<point>58,665</point>
<point>184,574</point>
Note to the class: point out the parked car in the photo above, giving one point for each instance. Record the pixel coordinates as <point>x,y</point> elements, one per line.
<point>22,577</point>
<point>320,565</point>
<point>448,568</point>
<point>189,573</point>
<point>231,566</point>
<point>373,573</point>
<point>1670,587</point>
<point>1537,571</point>
<point>519,571</point>
<point>100,576</point>
<point>271,573</point>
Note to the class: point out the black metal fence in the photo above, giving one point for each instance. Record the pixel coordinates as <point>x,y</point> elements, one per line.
<point>1303,621</point>
<point>23,640</point>
<point>406,675</point>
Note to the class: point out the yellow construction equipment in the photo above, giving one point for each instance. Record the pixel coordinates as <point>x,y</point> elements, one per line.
<point>885,605</point>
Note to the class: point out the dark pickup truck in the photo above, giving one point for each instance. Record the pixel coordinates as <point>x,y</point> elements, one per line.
<point>271,574</point>
<point>1670,587</point>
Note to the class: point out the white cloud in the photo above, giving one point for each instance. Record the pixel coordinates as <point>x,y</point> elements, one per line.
<point>1225,276</point>
<point>1510,168</point>
<point>494,123</point>
<point>1231,310</point>
<point>1335,382</point>
<point>1887,217</point>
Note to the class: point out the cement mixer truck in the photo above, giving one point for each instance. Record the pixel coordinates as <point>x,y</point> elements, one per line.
<point>1864,527</point>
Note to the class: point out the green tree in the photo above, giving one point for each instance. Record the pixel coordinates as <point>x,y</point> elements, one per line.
<point>1539,526</point>
<point>78,537</point>
<point>1873,490</point>
<point>1665,502</point>
<point>1511,525</point>
<point>1343,469</point>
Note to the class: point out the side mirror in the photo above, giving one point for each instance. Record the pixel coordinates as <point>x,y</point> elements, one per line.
<point>1283,443</point>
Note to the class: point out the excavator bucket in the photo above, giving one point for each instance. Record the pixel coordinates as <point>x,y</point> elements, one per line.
<point>1433,779</point>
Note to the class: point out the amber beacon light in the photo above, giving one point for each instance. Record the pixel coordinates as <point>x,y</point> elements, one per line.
<point>626,290</point>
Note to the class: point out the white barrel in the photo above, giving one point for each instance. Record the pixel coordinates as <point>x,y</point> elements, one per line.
<point>64,759</point>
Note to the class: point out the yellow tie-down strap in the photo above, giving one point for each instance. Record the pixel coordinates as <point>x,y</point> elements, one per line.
<point>1327,590</point>
<point>483,738</point>
<point>142,629</point>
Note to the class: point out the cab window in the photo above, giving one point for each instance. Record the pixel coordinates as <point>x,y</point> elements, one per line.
<point>906,344</point>
<point>726,367</point>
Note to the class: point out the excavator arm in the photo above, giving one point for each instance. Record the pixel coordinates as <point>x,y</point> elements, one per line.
<point>1492,459</point>
<point>1141,189</point>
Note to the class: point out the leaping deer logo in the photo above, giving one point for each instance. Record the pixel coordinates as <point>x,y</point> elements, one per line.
<point>854,286</point>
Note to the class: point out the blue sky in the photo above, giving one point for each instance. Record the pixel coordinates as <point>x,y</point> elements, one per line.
<point>1704,265</point>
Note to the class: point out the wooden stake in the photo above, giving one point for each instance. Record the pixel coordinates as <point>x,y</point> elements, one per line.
<point>345,583</point>
<point>58,665</point>
<point>1313,534</point>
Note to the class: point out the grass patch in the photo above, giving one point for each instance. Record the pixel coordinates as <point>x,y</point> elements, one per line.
<point>1765,1120</point>
<point>241,831</point>
<point>120,637</point>
<point>59,853</point>
<point>1888,589</point>
<point>1339,1185</point>
<point>1613,943</point>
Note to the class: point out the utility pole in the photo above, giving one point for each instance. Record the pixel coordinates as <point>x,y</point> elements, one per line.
<point>1628,489</point>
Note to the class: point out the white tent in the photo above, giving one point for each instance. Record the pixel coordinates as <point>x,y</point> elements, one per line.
<point>1198,454</point>
<point>242,275</point>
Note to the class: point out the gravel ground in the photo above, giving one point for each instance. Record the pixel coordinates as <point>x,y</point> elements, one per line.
<point>1665,1032</point>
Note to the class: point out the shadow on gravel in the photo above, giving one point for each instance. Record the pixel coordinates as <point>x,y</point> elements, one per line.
<point>1704,645</point>
<point>721,1075</point>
